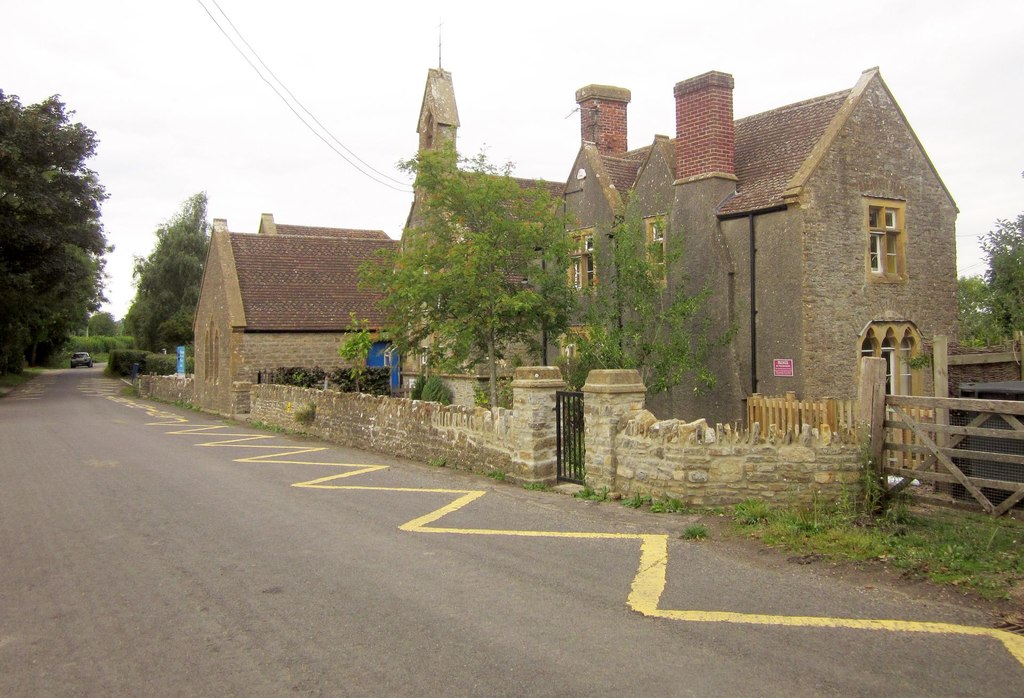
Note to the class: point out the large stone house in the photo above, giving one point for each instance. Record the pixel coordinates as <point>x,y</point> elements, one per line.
<point>282,297</point>
<point>821,228</point>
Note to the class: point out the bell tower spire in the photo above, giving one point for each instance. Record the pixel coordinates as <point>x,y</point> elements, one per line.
<point>439,116</point>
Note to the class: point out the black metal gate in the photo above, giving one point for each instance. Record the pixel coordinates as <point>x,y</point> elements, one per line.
<point>571,449</point>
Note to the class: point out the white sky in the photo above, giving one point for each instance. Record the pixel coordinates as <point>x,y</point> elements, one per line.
<point>178,111</point>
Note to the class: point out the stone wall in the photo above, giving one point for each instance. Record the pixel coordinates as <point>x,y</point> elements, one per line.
<point>467,438</point>
<point>699,466</point>
<point>630,451</point>
<point>520,443</point>
<point>168,388</point>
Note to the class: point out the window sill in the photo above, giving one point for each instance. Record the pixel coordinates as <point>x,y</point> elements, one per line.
<point>875,278</point>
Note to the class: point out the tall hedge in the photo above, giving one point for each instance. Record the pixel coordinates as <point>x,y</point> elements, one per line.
<point>121,360</point>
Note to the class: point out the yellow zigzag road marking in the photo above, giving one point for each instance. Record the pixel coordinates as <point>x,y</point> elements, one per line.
<point>168,418</point>
<point>649,582</point>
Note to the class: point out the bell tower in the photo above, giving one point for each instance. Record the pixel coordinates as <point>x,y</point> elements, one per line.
<point>439,116</point>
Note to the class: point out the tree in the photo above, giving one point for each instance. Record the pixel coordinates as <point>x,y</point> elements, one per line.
<point>1004,248</point>
<point>482,272</point>
<point>102,325</point>
<point>356,346</point>
<point>978,326</point>
<point>637,317</point>
<point>51,239</point>
<point>167,282</point>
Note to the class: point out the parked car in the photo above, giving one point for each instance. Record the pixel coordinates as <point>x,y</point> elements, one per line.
<point>81,358</point>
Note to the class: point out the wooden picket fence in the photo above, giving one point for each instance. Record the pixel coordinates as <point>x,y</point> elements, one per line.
<point>906,445</point>
<point>788,414</point>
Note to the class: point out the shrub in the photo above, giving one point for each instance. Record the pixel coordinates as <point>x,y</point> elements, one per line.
<point>160,364</point>
<point>416,393</point>
<point>482,394</point>
<point>436,390</point>
<point>298,376</point>
<point>120,361</point>
<point>375,381</point>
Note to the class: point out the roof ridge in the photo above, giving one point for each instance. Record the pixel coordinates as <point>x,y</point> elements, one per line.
<point>328,227</point>
<point>799,105</point>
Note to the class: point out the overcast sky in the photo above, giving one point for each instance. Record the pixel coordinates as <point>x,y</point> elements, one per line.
<point>177,110</point>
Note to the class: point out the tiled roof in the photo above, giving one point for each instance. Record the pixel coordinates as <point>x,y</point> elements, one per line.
<point>555,189</point>
<point>305,283</point>
<point>771,147</point>
<point>313,231</point>
<point>623,170</point>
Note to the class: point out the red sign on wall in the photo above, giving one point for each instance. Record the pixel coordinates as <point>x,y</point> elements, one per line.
<point>783,368</point>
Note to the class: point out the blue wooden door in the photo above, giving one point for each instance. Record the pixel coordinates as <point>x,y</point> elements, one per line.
<point>382,354</point>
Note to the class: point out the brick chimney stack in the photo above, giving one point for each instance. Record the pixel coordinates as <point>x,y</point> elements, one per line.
<point>603,117</point>
<point>705,134</point>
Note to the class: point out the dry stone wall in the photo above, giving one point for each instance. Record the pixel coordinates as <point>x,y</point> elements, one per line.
<point>630,451</point>
<point>702,466</point>
<point>168,388</point>
<point>467,438</point>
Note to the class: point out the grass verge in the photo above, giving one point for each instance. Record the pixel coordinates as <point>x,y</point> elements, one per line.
<point>9,381</point>
<point>950,547</point>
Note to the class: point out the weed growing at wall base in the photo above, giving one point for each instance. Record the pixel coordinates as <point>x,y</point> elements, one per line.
<point>306,414</point>
<point>590,494</point>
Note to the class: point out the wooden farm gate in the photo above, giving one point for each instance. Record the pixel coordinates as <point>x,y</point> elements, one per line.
<point>976,445</point>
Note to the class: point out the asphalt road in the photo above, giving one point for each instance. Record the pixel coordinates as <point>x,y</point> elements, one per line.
<point>147,550</point>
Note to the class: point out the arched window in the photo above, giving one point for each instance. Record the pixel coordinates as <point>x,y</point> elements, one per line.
<point>906,374</point>
<point>897,343</point>
<point>889,354</point>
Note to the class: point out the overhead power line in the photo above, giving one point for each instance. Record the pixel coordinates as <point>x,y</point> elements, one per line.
<point>320,131</point>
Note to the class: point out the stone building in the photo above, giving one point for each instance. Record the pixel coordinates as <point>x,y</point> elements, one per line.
<point>282,297</point>
<point>821,228</point>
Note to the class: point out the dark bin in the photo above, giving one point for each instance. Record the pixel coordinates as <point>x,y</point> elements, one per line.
<point>979,467</point>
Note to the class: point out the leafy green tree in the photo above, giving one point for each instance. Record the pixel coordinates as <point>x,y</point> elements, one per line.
<point>103,325</point>
<point>1004,248</point>
<point>978,326</point>
<point>637,317</point>
<point>167,282</point>
<point>356,346</point>
<point>482,272</point>
<point>51,239</point>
